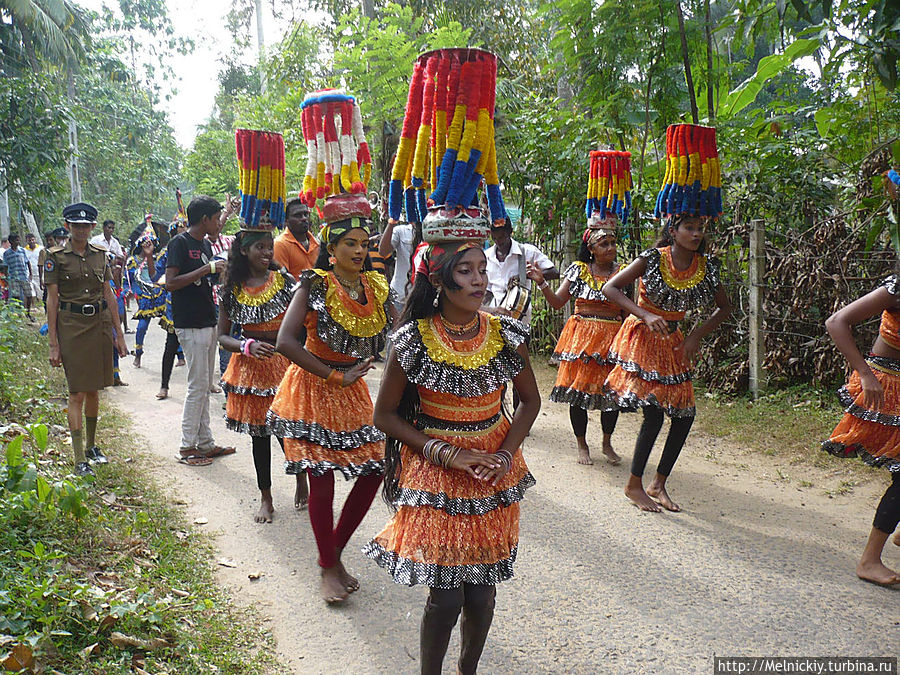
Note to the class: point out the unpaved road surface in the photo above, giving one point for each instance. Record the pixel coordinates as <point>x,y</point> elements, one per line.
<point>759,563</point>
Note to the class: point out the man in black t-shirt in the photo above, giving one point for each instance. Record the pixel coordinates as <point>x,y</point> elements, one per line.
<point>189,268</point>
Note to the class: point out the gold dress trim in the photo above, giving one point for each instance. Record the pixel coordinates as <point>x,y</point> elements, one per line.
<point>270,289</point>
<point>695,274</point>
<point>441,347</point>
<point>362,321</point>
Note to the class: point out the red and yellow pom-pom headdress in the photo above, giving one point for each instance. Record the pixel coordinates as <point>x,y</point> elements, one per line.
<point>609,185</point>
<point>260,156</point>
<point>338,157</point>
<point>447,145</point>
<point>693,182</point>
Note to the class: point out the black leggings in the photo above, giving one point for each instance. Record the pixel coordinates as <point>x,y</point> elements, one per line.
<point>441,611</point>
<point>887,515</point>
<point>678,432</point>
<point>172,347</point>
<point>579,418</point>
<point>262,460</point>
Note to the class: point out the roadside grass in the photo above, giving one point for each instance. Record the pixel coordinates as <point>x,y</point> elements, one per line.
<point>100,575</point>
<point>789,423</point>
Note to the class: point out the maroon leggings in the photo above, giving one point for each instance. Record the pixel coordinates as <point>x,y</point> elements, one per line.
<point>331,540</point>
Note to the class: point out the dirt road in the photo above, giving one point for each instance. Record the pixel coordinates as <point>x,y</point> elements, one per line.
<point>759,563</point>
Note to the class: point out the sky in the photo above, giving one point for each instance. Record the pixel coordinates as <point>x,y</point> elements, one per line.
<point>198,71</point>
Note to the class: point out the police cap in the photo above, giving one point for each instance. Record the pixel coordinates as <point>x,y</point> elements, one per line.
<point>80,213</point>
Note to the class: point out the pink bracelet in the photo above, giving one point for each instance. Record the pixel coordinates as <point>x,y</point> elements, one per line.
<point>246,346</point>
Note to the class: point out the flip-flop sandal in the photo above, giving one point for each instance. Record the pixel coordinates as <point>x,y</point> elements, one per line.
<point>217,451</point>
<point>193,460</point>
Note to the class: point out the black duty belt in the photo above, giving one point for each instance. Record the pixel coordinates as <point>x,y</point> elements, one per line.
<point>86,310</point>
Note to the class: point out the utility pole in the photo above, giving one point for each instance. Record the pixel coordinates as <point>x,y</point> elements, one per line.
<point>74,177</point>
<point>261,46</point>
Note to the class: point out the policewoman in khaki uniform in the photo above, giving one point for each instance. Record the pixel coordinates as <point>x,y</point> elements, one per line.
<point>81,313</point>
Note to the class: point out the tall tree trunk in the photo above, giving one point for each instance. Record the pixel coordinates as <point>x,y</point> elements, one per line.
<point>261,47</point>
<point>688,76</point>
<point>4,208</point>
<point>74,177</point>
<point>710,104</point>
<point>368,9</point>
<point>646,125</point>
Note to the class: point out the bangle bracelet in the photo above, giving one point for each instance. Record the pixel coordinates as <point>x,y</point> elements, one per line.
<point>245,346</point>
<point>212,267</point>
<point>336,378</point>
<point>543,285</point>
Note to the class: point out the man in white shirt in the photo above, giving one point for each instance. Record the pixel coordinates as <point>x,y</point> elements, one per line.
<point>507,263</point>
<point>107,240</point>
<point>399,239</point>
<point>33,253</point>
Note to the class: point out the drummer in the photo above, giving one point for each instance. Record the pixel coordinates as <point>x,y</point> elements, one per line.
<point>507,264</point>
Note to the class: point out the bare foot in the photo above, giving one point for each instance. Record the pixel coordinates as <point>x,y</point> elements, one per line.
<point>351,583</point>
<point>658,492</point>
<point>334,591</point>
<point>137,361</point>
<point>640,499</point>
<point>301,492</point>
<point>611,456</point>
<point>584,452</point>
<point>877,573</point>
<point>163,393</point>
<point>180,362</point>
<point>266,510</point>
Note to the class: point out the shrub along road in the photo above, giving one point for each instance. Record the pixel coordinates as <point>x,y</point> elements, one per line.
<point>760,562</point>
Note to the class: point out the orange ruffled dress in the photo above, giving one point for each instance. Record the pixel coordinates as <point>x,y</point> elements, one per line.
<point>251,383</point>
<point>873,435</point>
<point>324,426</point>
<point>648,372</point>
<point>451,528</point>
<point>583,346</point>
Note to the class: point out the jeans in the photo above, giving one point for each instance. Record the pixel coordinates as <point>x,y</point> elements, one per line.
<point>199,345</point>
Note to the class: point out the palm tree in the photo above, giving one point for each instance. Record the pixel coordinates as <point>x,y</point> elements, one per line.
<point>32,30</point>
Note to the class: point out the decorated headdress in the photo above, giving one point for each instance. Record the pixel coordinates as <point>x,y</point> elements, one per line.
<point>693,182</point>
<point>147,234</point>
<point>609,187</point>
<point>260,156</point>
<point>180,215</point>
<point>342,213</point>
<point>336,146</point>
<point>447,147</point>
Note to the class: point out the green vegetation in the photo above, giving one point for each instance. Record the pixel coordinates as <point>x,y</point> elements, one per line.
<point>100,575</point>
<point>790,423</point>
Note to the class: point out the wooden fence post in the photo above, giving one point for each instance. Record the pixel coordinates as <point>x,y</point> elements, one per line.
<point>757,288</point>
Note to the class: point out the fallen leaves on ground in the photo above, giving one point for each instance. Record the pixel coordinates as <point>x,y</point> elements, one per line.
<point>123,641</point>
